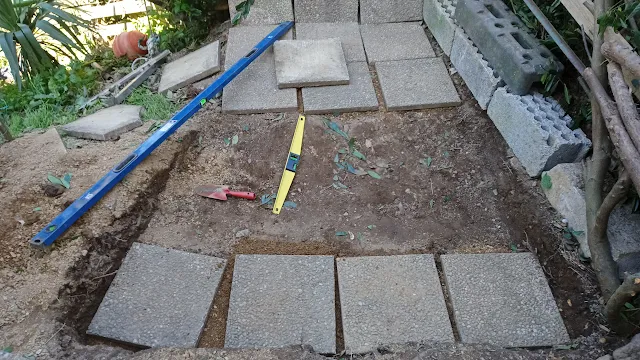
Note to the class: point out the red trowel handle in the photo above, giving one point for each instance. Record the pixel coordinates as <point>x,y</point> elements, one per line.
<point>241,194</point>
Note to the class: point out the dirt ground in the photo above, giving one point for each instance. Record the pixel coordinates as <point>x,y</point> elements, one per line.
<point>471,197</point>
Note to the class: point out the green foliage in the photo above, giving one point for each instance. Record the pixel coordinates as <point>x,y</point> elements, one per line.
<point>32,32</point>
<point>157,107</point>
<point>242,9</point>
<point>618,18</point>
<point>545,182</point>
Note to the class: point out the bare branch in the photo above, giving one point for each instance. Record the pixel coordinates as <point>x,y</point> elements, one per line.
<point>613,310</point>
<point>624,101</point>
<point>617,49</point>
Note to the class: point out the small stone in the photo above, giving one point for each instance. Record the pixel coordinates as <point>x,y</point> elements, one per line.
<point>495,192</point>
<point>84,252</point>
<point>243,233</point>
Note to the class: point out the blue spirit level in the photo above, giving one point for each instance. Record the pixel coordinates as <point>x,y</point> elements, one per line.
<point>63,221</point>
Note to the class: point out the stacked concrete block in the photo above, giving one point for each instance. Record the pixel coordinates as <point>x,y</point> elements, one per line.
<point>318,11</point>
<point>519,57</point>
<point>388,11</point>
<point>474,69</point>
<point>537,130</point>
<point>439,17</point>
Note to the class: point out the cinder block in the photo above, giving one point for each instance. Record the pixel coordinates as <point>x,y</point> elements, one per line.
<point>518,57</point>
<point>537,130</point>
<point>318,11</point>
<point>439,17</point>
<point>389,11</point>
<point>480,78</point>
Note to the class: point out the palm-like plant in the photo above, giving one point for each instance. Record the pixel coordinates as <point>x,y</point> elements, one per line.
<point>31,31</point>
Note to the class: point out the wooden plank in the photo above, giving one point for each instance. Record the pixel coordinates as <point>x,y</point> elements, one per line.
<point>119,8</point>
<point>579,10</point>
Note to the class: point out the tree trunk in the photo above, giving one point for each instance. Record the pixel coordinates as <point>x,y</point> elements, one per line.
<point>624,294</point>
<point>624,101</point>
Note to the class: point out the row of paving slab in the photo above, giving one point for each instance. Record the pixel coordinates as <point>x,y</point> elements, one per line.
<point>161,298</point>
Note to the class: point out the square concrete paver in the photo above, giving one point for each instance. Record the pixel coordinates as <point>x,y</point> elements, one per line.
<point>255,91</point>
<point>190,68</point>
<point>265,12</point>
<point>389,300</point>
<point>348,33</point>
<point>106,124</point>
<point>159,298</point>
<point>358,95</point>
<point>396,41</point>
<point>502,300</point>
<point>388,11</point>
<point>282,300</point>
<point>301,63</point>
<point>242,39</point>
<point>317,11</point>
<point>416,84</point>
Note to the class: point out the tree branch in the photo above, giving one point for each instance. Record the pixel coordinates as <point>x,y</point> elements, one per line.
<point>624,101</point>
<point>617,49</point>
<point>624,294</point>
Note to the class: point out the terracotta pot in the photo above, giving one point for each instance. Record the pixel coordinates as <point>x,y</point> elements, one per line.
<point>127,44</point>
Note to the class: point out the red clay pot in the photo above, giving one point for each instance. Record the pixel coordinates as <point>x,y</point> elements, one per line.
<point>127,44</point>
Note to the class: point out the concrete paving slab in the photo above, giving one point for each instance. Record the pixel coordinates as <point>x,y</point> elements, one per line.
<point>396,41</point>
<point>255,91</point>
<point>388,300</point>
<point>242,39</point>
<point>502,300</point>
<point>481,79</point>
<point>106,124</point>
<point>416,84</point>
<point>358,95</point>
<point>204,83</point>
<point>159,298</point>
<point>190,68</point>
<point>439,17</point>
<point>318,11</point>
<point>50,143</point>
<point>388,11</point>
<point>303,63</point>
<point>264,12</point>
<point>348,33</point>
<point>282,300</point>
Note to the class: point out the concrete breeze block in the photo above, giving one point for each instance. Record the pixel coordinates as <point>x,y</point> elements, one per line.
<point>537,130</point>
<point>318,11</point>
<point>519,58</point>
<point>480,78</point>
<point>439,17</point>
<point>388,11</point>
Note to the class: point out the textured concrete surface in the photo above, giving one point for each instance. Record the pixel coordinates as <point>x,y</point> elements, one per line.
<point>190,68</point>
<point>416,84</point>
<point>348,33</point>
<point>255,91</point>
<point>160,297</point>
<point>265,12</point>
<point>631,351</point>
<point>537,130</point>
<point>388,11</point>
<point>204,83</point>
<point>302,63</point>
<point>566,195</point>
<point>398,41</point>
<point>623,232</point>
<point>519,58</point>
<point>502,300</point>
<point>358,95</point>
<point>51,144</point>
<point>480,78</point>
<point>439,17</point>
<point>106,124</point>
<point>242,39</point>
<point>318,11</point>
<point>282,300</point>
<point>388,300</point>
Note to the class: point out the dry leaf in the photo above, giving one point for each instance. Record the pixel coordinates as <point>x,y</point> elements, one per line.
<point>569,302</point>
<point>636,281</point>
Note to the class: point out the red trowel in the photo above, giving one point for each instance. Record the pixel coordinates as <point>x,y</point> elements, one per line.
<point>220,192</point>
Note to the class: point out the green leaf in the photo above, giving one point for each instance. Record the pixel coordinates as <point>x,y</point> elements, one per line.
<point>336,128</point>
<point>65,15</point>
<point>66,180</point>
<point>341,233</point>
<point>236,18</point>
<point>566,235</point>
<point>448,198</point>
<point>8,47</point>
<point>227,141</point>
<point>545,182</point>
<point>8,349</point>
<point>359,155</point>
<point>513,247</point>
<point>338,185</point>
<point>343,151</point>
<point>371,227</point>
<point>37,209</point>
<point>54,180</point>
<point>245,128</point>
<point>629,306</point>
<point>446,154</point>
<point>55,33</point>
<point>577,232</point>
<point>290,204</point>
<point>234,140</point>
<point>336,178</point>
<point>426,161</point>
<point>374,174</point>
<point>432,203</point>
<point>336,159</point>
<point>567,97</point>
